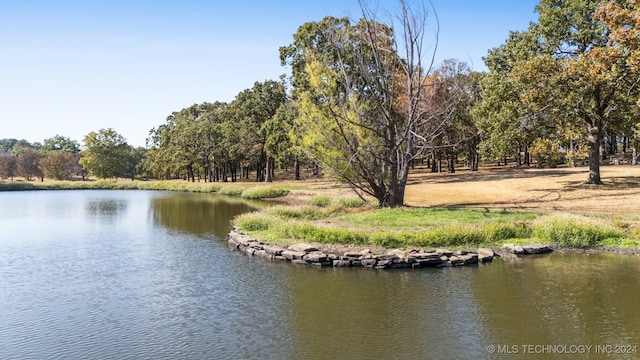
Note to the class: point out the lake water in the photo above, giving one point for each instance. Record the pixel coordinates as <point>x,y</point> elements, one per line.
<point>149,275</point>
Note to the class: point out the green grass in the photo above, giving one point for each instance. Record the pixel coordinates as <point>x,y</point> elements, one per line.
<point>246,191</point>
<point>454,228</point>
<point>321,200</point>
<point>577,231</point>
<point>231,190</point>
<point>403,218</point>
<point>264,192</point>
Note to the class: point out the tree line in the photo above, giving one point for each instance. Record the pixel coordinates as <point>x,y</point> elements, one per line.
<point>365,103</point>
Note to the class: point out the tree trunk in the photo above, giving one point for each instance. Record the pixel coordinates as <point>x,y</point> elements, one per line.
<point>613,144</point>
<point>296,168</point>
<point>267,170</point>
<point>190,173</point>
<point>434,164</point>
<point>634,156</point>
<point>595,136</point>
<point>451,163</point>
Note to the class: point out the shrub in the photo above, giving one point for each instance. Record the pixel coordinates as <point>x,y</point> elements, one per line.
<point>574,230</point>
<point>351,202</point>
<point>321,200</point>
<point>263,193</point>
<point>231,191</point>
<point>296,212</point>
<point>256,221</point>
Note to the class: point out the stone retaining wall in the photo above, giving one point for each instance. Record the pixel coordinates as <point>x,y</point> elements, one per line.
<point>308,254</point>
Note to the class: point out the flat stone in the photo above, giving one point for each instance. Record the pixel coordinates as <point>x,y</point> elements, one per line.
<point>383,263</point>
<point>273,250</point>
<point>260,253</point>
<point>456,261</point>
<point>486,252</point>
<point>302,247</point>
<point>352,254</point>
<point>341,263</point>
<point>299,262</point>
<point>293,255</point>
<point>368,262</point>
<point>419,256</point>
<point>434,261</point>
<point>514,249</point>
<point>385,257</point>
<point>316,257</point>
<point>397,253</point>
<point>470,259</point>
<point>537,249</point>
<point>444,252</point>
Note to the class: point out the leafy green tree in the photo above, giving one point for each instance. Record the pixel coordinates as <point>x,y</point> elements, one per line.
<point>6,145</point>
<point>247,113</point>
<point>158,159</point>
<point>135,165</point>
<point>61,143</point>
<point>503,117</point>
<point>278,143</point>
<point>571,77</point>
<point>106,154</point>
<point>17,147</point>
<point>186,143</point>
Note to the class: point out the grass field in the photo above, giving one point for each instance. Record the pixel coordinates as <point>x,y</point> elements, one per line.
<point>488,207</point>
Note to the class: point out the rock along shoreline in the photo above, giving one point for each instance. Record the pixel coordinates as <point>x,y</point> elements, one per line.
<point>346,256</point>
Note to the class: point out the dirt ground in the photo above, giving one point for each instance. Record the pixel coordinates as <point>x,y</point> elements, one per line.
<point>561,189</point>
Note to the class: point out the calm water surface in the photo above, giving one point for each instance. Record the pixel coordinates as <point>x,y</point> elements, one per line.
<point>148,275</point>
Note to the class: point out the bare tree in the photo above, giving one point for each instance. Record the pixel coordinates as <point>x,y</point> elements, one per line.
<point>360,91</point>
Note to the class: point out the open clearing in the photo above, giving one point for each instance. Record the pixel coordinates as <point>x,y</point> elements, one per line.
<point>531,189</point>
<point>561,189</point>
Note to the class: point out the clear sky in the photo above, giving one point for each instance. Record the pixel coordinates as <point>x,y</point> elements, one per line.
<point>70,67</point>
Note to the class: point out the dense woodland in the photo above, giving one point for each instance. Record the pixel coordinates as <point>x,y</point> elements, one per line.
<point>365,104</point>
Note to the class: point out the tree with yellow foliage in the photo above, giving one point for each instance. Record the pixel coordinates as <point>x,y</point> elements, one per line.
<point>574,76</point>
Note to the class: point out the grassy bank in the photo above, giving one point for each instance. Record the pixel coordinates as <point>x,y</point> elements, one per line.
<point>346,221</point>
<point>245,190</point>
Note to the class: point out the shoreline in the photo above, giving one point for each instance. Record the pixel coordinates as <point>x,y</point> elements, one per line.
<point>338,255</point>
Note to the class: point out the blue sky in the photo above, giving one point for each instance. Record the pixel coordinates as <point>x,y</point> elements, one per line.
<point>72,67</point>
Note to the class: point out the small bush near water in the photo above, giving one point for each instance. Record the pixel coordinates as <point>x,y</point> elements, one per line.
<point>260,192</point>
<point>575,231</point>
